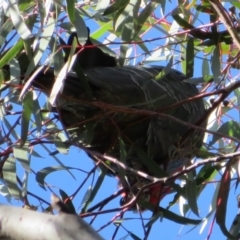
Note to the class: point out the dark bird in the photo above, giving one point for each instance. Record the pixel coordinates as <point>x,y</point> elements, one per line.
<point>108,125</point>
<point>121,119</point>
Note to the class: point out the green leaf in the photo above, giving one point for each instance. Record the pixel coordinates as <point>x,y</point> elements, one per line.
<point>66,200</point>
<point>235,227</point>
<point>181,22</point>
<point>101,30</point>
<point>18,20</point>
<point>14,71</point>
<point>156,170</point>
<point>89,133</point>
<point>133,236</point>
<point>26,115</point>
<point>150,164</point>
<point>142,45</point>
<point>72,61</point>
<point>216,64</point>
<point>6,28</point>
<point>43,45</point>
<point>59,82</point>
<point>123,153</point>
<point>70,52</point>
<point>153,219</point>
<point>116,6</point>
<point>236,4</point>
<point>190,58</point>
<point>222,199</point>
<point>205,67</point>
<point>71,10</point>
<point>143,16</point>
<point>86,199</point>
<point>42,174</point>
<point>127,31</point>
<point>230,128</point>
<point>125,15</point>
<point>91,194</point>
<point>26,4</point>
<point>37,114</point>
<point>102,5</point>
<point>9,127</point>
<point>103,47</point>
<point>173,217</point>
<point>204,8</point>
<point>25,184</point>
<point>9,175</point>
<point>123,51</point>
<point>166,70</point>
<point>56,159</point>
<point>206,173</point>
<point>11,53</point>
<point>21,154</point>
<point>81,28</point>
<point>61,146</point>
<point>36,154</point>
<point>191,195</point>
<point>1,78</point>
<point>5,193</point>
<point>204,153</point>
<point>83,79</point>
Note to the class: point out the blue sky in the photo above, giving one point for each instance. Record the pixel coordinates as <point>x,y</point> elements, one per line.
<point>164,230</point>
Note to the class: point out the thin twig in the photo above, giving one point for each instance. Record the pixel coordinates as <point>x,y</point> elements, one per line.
<point>225,18</point>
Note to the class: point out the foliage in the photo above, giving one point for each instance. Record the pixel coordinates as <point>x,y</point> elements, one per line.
<point>195,37</point>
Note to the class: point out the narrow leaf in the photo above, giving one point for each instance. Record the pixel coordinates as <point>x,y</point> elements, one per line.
<point>42,174</point>
<point>26,115</point>
<point>222,199</point>
<point>230,128</point>
<point>143,16</point>
<point>235,227</point>
<point>81,28</point>
<point>71,10</point>
<point>9,175</point>
<point>191,194</point>
<point>37,114</point>
<point>216,64</point>
<point>12,52</point>
<point>174,217</point>
<point>59,83</point>
<point>21,154</point>
<point>190,58</point>
<point>115,6</point>
<point>154,219</point>
<point>95,189</point>
<point>67,201</point>
<point>61,146</point>
<point>166,70</point>
<point>18,20</point>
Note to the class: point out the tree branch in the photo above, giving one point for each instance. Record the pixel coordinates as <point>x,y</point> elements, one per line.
<point>19,223</point>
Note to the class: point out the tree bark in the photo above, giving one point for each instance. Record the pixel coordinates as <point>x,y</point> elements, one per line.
<point>18,223</point>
